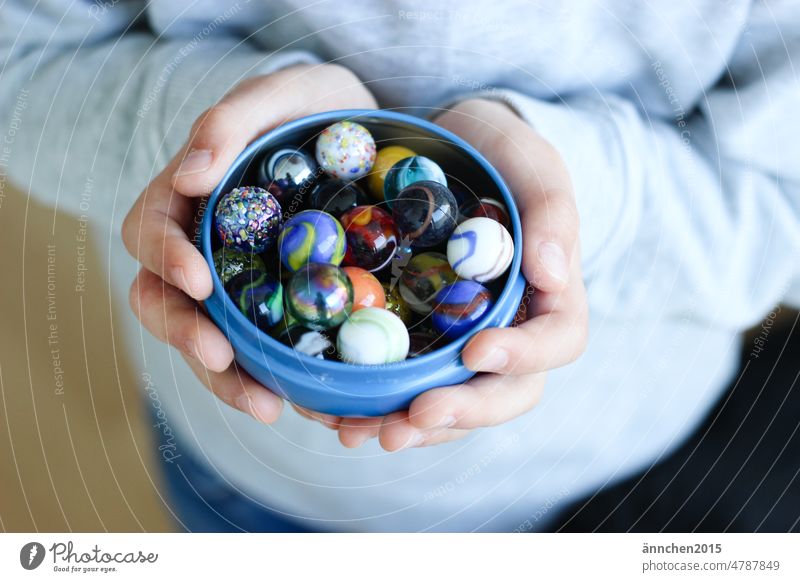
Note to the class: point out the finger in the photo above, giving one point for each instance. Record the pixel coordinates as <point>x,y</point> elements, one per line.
<point>328,420</point>
<point>253,107</point>
<point>486,400</point>
<point>397,433</point>
<point>555,335</point>
<point>154,232</point>
<point>239,390</point>
<point>354,432</point>
<point>174,318</point>
<point>539,181</point>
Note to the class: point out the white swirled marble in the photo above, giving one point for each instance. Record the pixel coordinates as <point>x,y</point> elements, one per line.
<point>480,249</point>
<point>373,336</point>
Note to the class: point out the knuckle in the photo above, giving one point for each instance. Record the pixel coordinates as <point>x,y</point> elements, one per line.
<point>210,121</point>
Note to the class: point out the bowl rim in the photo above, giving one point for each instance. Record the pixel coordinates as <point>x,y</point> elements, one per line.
<point>371,116</point>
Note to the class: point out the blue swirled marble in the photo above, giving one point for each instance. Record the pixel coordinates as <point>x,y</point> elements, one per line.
<point>311,236</point>
<point>460,306</point>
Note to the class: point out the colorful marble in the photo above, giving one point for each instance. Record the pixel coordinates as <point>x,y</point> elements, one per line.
<point>336,196</point>
<point>311,236</point>
<point>458,307</point>
<point>259,297</point>
<point>385,159</point>
<point>424,276</point>
<point>229,262</point>
<point>373,336</point>
<point>248,219</point>
<point>395,302</point>
<point>489,208</point>
<point>288,168</point>
<point>480,249</point>
<point>319,296</point>
<point>406,172</point>
<point>367,290</point>
<point>346,150</point>
<point>371,238</point>
<point>425,214</point>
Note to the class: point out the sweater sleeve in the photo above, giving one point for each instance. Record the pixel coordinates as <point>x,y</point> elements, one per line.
<point>694,217</point>
<point>94,104</point>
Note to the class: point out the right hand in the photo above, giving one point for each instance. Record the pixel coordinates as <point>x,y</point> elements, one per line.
<point>174,275</point>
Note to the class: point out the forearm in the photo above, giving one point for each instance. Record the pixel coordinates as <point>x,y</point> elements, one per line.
<point>101,118</point>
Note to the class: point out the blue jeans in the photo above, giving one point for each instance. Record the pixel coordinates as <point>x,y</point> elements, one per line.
<point>202,502</point>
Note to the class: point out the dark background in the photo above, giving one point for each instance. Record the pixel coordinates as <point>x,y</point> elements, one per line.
<point>739,472</point>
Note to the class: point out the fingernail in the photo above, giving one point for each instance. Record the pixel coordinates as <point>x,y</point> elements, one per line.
<point>494,361</point>
<point>445,422</point>
<point>196,161</point>
<point>247,404</point>
<point>414,440</point>
<point>360,440</point>
<point>554,260</point>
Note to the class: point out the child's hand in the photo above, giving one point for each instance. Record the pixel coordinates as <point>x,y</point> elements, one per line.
<point>555,332</point>
<point>174,274</point>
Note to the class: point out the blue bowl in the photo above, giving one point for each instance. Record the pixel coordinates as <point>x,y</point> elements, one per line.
<point>335,387</point>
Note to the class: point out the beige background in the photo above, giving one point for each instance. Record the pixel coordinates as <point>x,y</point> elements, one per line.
<point>80,460</point>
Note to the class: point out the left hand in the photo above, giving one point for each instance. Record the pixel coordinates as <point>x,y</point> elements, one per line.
<point>515,359</point>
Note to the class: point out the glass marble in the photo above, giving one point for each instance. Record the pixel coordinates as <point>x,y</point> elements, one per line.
<point>371,238</point>
<point>320,296</point>
<point>480,249</point>
<point>425,214</point>
<point>311,236</point>
<point>406,172</point>
<point>395,302</point>
<point>314,343</point>
<point>488,207</point>
<point>248,219</point>
<point>367,290</point>
<point>373,336</point>
<point>336,196</point>
<point>424,276</point>
<point>346,150</point>
<point>458,307</point>
<point>259,296</point>
<point>385,159</point>
<point>230,262</point>
<point>288,168</point>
